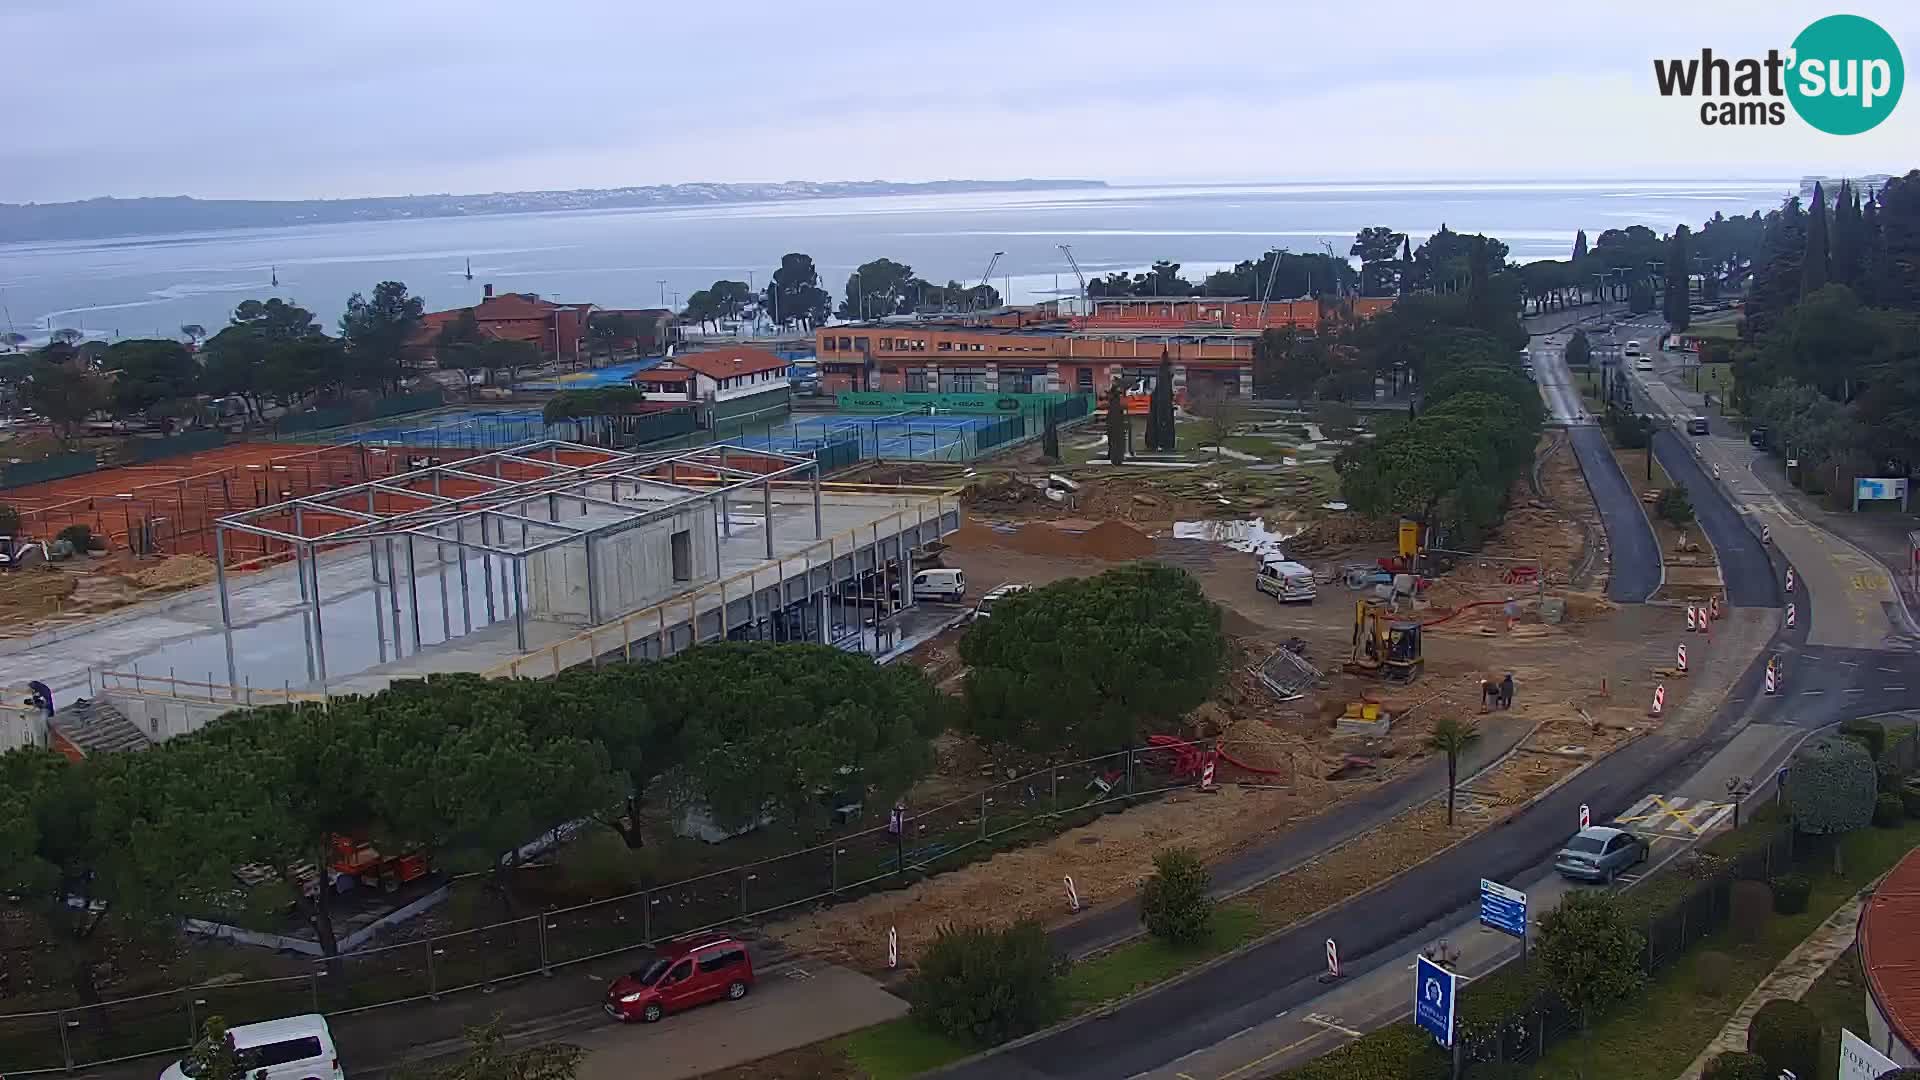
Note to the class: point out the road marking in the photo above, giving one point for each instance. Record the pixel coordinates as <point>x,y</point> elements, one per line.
<point>1332,1024</point>
<point>1811,693</point>
<point>1891,689</point>
<point>1849,663</point>
<point>1859,690</point>
<point>1264,1058</point>
<point>1889,670</point>
<point>1661,818</point>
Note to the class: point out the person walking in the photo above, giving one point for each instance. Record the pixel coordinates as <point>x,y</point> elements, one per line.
<point>1506,691</point>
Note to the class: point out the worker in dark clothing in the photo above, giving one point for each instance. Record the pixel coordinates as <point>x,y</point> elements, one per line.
<point>1506,691</point>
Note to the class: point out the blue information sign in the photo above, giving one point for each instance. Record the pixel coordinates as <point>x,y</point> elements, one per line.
<point>1503,908</point>
<point>1433,997</point>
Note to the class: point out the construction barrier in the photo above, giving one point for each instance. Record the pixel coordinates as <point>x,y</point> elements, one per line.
<point>1659,701</point>
<point>1790,616</point>
<point>1789,579</point>
<point>1692,623</point>
<point>1680,658</point>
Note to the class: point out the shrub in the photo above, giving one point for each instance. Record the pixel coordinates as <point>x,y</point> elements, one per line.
<point>1675,506</point>
<point>1591,952</point>
<point>9,521</point>
<point>1790,892</point>
<point>1714,970</point>
<point>983,985</point>
<point>1868,733</point>
<point>1174,904</point>
<point>1786,1035</point>
<point>1736,1065</point>
<point>1910,798</point>
<point>1831,787</point>
<point>1889,776</point>
<point>597,863</point>
<point>1751,903</point>
<point>1888,812</point>
<point>80,536</point>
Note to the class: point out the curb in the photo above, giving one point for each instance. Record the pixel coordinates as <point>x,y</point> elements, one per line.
<point>1235,953</point>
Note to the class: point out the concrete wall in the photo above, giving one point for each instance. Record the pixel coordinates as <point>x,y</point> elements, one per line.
<point>162,716</point>
<point>631,569</point>
<point>1881,1035</point>
<point>22,727</point>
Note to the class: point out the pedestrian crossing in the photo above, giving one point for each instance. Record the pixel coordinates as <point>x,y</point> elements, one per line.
<point>1675,817</point>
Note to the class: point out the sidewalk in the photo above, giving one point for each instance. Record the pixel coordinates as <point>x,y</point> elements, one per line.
<point>1799,970</point>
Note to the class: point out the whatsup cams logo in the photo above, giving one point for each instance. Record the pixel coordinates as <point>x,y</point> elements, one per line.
<point>1842,75</point>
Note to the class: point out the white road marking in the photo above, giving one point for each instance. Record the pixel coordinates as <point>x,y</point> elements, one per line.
<point>1892,689</point>
<point>1331,1024</point>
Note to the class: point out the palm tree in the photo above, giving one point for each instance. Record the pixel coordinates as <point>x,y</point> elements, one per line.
<point>1450,737</point>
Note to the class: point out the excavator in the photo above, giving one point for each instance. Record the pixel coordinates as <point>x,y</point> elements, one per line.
<point>1383,646</point>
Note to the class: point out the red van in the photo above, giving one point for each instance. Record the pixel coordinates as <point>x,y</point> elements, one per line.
<point>682,974</point>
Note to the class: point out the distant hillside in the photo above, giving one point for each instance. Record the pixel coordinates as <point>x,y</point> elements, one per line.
<point>94,218</point>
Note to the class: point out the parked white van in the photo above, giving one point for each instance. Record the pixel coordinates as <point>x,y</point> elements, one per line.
<point>1285,581</point>
<point>293,1048</point>
<point>940,584</point>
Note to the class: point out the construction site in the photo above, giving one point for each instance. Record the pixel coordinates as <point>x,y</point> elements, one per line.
<point>1327,700</point>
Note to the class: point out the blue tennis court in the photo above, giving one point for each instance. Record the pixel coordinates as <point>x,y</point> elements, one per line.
<point>459,427</point>
<point>907,437</point>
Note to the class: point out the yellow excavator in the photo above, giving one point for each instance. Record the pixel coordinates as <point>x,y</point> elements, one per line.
<point>1384,646</point>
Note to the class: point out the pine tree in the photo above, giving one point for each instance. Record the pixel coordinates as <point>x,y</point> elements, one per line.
<point>1899,253</point>
<point>1813,265</point>
<point>1776,272</point>
<point>1160,435</point>
<point>1117,424</point>
<point>1579,245</point>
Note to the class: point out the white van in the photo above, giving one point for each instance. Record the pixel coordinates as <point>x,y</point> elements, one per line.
<point>1287,582</point>
<point>293,1048</point>
<point>940,584</point>
<point>1632,349</point>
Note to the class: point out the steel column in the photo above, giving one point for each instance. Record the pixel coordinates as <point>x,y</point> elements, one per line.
<point>815,475</point>
<point>379,615</point>
<point>413,592</point>
<point>519,611</point>
<point>766,510</point>
<point>393,599</point>
<point>319,635</point>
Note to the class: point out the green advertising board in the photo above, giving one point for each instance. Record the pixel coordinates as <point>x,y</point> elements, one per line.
<point>890,403</point>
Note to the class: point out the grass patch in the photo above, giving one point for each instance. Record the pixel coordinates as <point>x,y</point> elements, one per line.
<point>1147,961</point>
<point>898,1049</point>
<point>1659,1033</point>
<point>1838,999</point>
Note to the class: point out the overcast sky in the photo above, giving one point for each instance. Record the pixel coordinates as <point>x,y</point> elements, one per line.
<point>311,98</point>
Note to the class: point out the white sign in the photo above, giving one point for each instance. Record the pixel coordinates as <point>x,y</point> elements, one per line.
<point>1876,488</point>
<point>1858,1061</point>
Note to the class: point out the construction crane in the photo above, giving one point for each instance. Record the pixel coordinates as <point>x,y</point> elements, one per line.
<point>1085,301</point>
<point>1266,295</point>
<point>980,290</point>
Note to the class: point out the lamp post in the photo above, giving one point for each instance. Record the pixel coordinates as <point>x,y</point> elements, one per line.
<point>897,825</point>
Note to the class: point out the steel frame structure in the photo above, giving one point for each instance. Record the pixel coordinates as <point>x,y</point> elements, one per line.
<point>419,509</point>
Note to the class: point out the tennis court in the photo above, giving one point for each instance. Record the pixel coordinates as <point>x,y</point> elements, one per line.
<point>906,437</point>
<point>457,427</point>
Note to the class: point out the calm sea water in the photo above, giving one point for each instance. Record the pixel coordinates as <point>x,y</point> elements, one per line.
<point>150,285</point>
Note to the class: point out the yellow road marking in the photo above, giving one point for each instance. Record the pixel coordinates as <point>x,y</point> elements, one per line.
<point>1264,1058</point>
<point>1685,817</point>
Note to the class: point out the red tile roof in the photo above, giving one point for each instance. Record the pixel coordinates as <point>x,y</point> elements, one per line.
<point>725,363</point>
<point>1890,948</point>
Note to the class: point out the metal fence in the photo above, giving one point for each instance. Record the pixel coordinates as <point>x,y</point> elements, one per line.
<point>934,839</point>
<point>1525,1035</point>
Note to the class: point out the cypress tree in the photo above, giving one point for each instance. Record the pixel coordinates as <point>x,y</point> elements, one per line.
<point>1406,263</point>
<point>1676,279</point>
<point>1844,247</point>
<point>1117,424</point>
<point>1813,265</point>
<point>1160,434</point>
<point>1873,251</point>
<point>1579,245</point>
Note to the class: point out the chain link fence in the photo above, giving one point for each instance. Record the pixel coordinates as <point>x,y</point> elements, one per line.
<point>915,842</point>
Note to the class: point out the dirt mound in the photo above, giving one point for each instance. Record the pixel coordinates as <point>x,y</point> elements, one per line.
<point>973,537</point>
<point>1116,541</point>
<point>1586,605</point>
<point>1341,530</point>
<point>1037,539</point>
<point>175,572</point>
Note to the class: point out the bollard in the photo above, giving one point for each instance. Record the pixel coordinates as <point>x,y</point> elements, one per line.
<point>1790,618</point>
<point>1073,896</point>
<point>893,949</point>
<point>1789,579</point>
<point>1680,658</point>
<point>1773,683</point>
<point>1693,622</point>
<point>1659,701</point>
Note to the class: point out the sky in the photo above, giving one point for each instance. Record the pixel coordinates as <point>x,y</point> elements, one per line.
<point>327,98</point>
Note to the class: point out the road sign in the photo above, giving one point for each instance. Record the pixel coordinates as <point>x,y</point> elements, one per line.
<point>1586,816</point>
<point>1503,908</point>
<point>1333,960</point>
<point>1433,997</point>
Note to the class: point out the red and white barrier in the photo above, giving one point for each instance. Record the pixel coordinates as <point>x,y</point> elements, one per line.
<point>1073,896</point>
<point>1789,579</point>
<point>1766,535</point>
<point>1207,770</point>
<point>1333,960</point>
<point>1790,618</point>
<point>1586,816</point>
<point>1713,606</point>
<point>1693,620</point>
<point>1680,658</point>
<point>1659,701</point>
<point>893,948</point>
<point>1773,681</point>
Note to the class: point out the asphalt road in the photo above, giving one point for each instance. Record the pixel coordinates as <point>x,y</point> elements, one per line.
<point>1635,573</point>
<point>1749,575</point>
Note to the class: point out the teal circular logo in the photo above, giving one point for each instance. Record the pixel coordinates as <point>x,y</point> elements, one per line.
<point>1846,74</point>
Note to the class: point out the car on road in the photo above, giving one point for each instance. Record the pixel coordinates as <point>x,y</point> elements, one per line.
<point>984,609</point>
<point>1697,425</point>
<point>291,1048</point>
<point>1632,349</point>
<point>679,975</point>
<point>1598,853</point>
<point>1284,580</point>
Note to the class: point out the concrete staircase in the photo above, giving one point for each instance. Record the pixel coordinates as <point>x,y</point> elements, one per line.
<point>93,727</point>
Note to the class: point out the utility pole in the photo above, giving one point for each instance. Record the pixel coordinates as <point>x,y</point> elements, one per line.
<point>663,291</point>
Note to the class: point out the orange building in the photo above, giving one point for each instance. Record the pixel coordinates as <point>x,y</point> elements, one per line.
<point>560,330</point>
<point>1036,350</point>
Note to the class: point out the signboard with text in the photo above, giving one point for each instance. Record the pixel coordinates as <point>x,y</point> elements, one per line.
<point>1880,489</point>
<point>1859,1061</point>
<point>1503,908</point>
<point>1433,997</point>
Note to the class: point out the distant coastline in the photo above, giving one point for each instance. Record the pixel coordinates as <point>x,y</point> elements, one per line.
<point>93,219</point>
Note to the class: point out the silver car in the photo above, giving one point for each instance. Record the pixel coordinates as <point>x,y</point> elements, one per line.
<point>1598,853</point>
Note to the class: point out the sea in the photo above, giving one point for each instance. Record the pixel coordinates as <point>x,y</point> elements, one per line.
<point>150,285</point>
